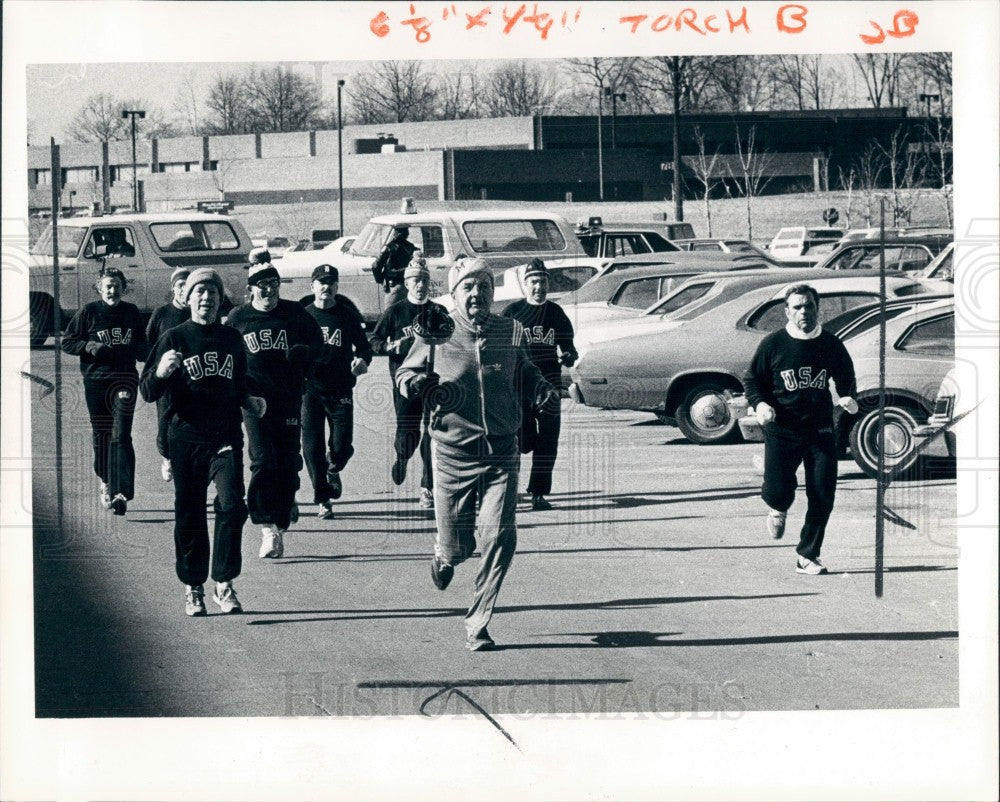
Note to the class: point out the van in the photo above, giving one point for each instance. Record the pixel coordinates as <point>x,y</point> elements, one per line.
<point>147,248</point>
<point>503,238</point>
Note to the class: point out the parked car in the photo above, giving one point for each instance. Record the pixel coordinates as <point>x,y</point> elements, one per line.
<point>146,247</point>
<point>724,245</point>
<point>909,254</point>
<point>604,240</point>
<point>685,375</point>
<point>799,242</point>
<point>504,238</point>
<point>942,266</point>
<point>920,352</point>
<point>686,297</point>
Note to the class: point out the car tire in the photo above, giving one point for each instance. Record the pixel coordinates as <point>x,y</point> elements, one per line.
<point>704,416</point>
<point>901,445</point>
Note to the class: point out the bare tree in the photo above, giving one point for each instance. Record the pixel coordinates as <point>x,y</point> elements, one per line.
<point>704,169</point>
<point>906,168</point>
<point>753,175</point>
<point>281,100</point>
<point>937,136</point>
<point>458,95</point>
<point>695,90</point>
<point>100,119</point>
<point>228,105</point>
<point>806,80</point>
<point>187,109</point>
<point>882,74</point>
<point>517,89</point>
<point>620,75</point>
<point>394,91</point>
<point>935,69</point>
<point>847,181</point>
<point>743,83</point>
<point>869,168</point>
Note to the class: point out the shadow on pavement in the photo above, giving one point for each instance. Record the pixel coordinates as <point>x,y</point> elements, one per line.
<point>626,639</point>
<point>444,612</point>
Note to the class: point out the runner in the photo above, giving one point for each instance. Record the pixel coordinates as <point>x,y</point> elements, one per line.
<point>280,338</point>
<point>107,335</point>
<point>200,368</point>
<point>328,400</point>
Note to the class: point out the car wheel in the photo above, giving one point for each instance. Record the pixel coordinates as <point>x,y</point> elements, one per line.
<point>900,444</point>
<point>704,416</point>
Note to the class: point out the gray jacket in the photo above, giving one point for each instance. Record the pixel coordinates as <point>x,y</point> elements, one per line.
<point>484,370</point>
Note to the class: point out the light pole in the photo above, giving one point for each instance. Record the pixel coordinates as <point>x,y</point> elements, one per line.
<point>675,74</point>
<point>615,97</point>
<point>127,113</point>
<point>600,141</point>
<point>340,155</point>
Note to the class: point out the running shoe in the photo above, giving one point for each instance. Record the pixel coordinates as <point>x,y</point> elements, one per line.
<point>398,471</point>
<point>194,600</point>
<point>119,504</point>
<point>336,486</point>
<point>271,544</point>
<point>225,597</point>
<point>776,524</point>
<point>105,496</point>
<point>539,502</point>
<point>811,567</point>
<point>166,470</point>
<point>426,499</point>
<point>441,572</point>
<point>480,643</point>
<point>326,510</point>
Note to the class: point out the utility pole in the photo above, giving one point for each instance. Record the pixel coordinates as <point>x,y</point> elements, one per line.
<point>675,71</point>
<point>135,181</point>
<point>340,154</point>
<point>600,141</point>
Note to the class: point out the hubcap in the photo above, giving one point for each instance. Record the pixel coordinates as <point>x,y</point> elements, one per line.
<point>710,412</point>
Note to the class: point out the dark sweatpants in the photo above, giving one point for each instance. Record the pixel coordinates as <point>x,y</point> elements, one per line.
<point>784,451</point>
<point>410,434</point>
<point>111,405</point>
<point>273,444</point>
<point>162,441</point>
<point>324,452</point>
<point>539,434</point>
<point>195,465</point>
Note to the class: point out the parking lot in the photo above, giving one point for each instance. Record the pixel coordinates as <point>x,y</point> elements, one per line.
<point>652,586</point>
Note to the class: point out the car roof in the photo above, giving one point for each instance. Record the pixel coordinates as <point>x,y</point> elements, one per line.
<point>465,216</point>
<point>144,217</point>
<point>897,325</point>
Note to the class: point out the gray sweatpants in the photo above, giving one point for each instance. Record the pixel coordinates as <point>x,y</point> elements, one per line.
<point>463,478</point>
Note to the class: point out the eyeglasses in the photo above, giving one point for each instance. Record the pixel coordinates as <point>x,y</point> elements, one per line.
<point>270,284</point>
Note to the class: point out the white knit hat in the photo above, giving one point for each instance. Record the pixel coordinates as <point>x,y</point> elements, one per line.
<point>465,268</point>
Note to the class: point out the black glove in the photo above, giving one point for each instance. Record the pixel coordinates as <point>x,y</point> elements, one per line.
<point>567,359</point>
<point>97,350</point>
<point>298,354</point>
<point>424,384</point>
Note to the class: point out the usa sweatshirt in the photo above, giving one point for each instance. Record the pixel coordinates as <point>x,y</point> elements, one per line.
<point>117,327</point>
<point>343,338</point>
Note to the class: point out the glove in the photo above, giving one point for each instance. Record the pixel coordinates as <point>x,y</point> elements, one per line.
<point>359,366</point>
<point>765,413</point>
<point>96,349</point>
<point>424,384</point>
<point>848,404</point>
<point>169,362</point>
<point>567,359</point>
<point>255,405</point>
<point>545,394</point>
<point>298,354</point>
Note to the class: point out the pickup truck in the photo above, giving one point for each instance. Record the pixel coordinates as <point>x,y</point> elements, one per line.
<point>503,238</point>
<point>147,248</point>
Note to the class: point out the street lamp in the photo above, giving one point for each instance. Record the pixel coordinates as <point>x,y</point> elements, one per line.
<point>127,113</point>
<point>340,155</point>
<point>600,141</point>
<point>615,97</point>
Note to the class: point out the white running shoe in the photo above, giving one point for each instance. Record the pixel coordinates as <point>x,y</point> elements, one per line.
<point>326,510</point>
<point>426,499</point>
<point>166,470</point>
<point>194,600</point>
<point>811,567</point>
<point>776,524</point>
<point>105,496</point>
<point>225,597</point>
<point>271,545</point>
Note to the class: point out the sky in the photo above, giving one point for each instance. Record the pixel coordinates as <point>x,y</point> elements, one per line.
<point>56,91</point>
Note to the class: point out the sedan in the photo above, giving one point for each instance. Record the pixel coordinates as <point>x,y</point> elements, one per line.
<point>686,375</point>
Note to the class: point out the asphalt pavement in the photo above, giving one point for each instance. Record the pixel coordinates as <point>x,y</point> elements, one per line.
<point>652,586</point>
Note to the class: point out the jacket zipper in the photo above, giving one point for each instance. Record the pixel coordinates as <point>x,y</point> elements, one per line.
<point>482,383</point>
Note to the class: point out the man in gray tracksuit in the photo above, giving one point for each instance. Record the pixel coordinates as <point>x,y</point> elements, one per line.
<point>473,391</point>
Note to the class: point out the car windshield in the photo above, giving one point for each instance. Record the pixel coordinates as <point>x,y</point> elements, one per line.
<point>70,239</point>
<point>194,236</point>
<point>680,299</point>
<point>504,236</point>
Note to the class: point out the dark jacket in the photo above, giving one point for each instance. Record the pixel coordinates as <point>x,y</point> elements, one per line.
<point>108,339</point>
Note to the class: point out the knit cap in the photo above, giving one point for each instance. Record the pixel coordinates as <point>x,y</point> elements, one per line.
<point>179,273</point>
<point>464,269</point>
<point>417,266</point>
<point>200,276</point>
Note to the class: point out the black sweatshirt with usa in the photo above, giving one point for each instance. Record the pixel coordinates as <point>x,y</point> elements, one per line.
<point>204,394</point>
<point>108,339</point>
